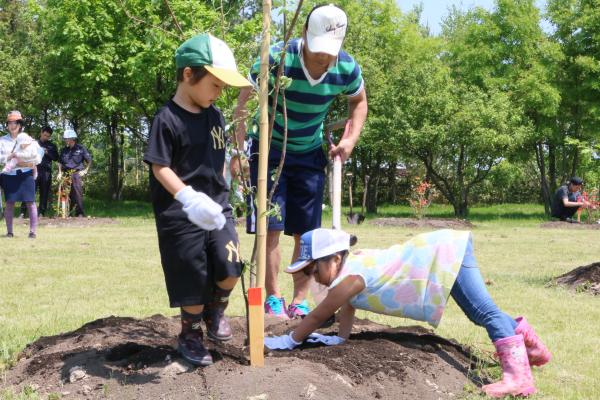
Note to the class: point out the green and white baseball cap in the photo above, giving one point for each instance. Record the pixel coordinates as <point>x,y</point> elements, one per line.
<point>212,53</point>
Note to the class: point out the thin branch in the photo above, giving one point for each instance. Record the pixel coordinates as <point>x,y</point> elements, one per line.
<point>283,146</point>
<point>142,22</point>
<point>280,67</point>
<point>173,16</point>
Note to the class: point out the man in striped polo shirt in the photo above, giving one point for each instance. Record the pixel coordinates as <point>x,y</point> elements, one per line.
<point>320,71</point>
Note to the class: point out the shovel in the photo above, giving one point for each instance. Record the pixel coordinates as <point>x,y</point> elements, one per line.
<point>358,218</point>
<point>351,217</point>
<point>318,291</point>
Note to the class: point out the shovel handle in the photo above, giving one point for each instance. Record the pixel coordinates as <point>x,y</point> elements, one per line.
<point>337,193</point>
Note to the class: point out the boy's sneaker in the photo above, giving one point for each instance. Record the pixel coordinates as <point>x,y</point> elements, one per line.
<point>192,349</point>
<point>275,306</point>
<point>298,310</point>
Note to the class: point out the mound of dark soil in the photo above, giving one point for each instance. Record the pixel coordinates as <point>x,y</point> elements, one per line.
<point>119,358</point>
<point>568,225</point>
<point>423,223</point>
<point>69,222</point>
<point>582,279</point>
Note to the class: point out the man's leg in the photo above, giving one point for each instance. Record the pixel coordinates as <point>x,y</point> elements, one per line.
<point>76,195</point>
<point>44,181</point>
<point>301,281</point>
<point>273,264</point>
<point>304,209</point>
<point>274,301</point>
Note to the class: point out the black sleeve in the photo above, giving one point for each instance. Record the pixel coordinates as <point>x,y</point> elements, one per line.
<point>563,192</point>
<point>52,152</point>
<point>160,144</point>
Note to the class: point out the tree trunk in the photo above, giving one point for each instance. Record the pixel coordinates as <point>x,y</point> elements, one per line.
<point>461,209</point>
<point>544,189</point>
<point>392,187</point>
<point>115,169</point>
<point>575,161</point>
<point>552,168</point>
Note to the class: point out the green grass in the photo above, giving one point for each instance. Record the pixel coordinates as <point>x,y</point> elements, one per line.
<point>70,276</point>
<point>504,213</point>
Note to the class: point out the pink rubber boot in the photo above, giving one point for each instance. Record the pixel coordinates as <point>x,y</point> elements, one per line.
<point>516,372</point>
<point>537,352</point>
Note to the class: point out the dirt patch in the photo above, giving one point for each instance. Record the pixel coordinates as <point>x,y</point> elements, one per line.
<point>423,223</point>
<point>582,279</point>
<point>568,225</point>
<point>118,358</point>
<point>68,222</point>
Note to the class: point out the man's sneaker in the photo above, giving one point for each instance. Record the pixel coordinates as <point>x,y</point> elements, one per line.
<point>298,310</point>
<point>192,349</point>
<point>275,306</point>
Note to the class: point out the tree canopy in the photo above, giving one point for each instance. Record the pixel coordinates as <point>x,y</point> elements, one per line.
<point>493,98</point>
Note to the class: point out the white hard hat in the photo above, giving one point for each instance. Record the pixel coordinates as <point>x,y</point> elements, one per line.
<point>69,134</point>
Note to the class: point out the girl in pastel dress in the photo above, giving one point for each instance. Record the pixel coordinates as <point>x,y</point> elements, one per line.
<point>412,280</point>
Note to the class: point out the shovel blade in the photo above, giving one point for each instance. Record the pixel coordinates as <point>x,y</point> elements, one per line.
<point>355,218</point>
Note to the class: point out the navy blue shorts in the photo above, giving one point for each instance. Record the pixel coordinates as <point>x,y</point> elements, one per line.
<point>299,192</point>
<point>19,187</point>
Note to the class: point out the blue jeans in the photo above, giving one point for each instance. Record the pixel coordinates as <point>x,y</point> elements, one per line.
<point>472,297</point>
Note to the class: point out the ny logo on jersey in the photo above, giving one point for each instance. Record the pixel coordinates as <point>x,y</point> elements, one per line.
<point>218,137</point>
<point>231,249</point>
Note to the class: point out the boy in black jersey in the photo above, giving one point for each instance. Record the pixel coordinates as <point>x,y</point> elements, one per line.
<point>198,243</point>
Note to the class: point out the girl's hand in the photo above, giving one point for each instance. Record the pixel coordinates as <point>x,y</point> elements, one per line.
<point>328,340</point>
<point>283,342</point>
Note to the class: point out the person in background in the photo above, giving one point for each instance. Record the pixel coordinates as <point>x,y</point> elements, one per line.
<point>18,184</point>
<point>43,183</point>
<point>567,200</point>
<point>74,159</point>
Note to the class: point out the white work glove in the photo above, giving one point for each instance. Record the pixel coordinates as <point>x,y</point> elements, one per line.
<point>283,342</point>
<point>201,209</point>
<point>83,173</point>
<point>329,340</point>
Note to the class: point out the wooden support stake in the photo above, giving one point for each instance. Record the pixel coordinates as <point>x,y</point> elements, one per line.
<point>256,317</point>
<point>257,324</point>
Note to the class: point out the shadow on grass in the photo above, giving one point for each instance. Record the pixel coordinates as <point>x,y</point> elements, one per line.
<point>514,212</point>
<point>117,209</point>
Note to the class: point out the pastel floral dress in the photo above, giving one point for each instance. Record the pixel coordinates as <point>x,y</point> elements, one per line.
<point>410,280</point>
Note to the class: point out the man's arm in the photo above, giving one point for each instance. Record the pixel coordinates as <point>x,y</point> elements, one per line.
<point>52,152</point>
<point>357,113</point>
<point>240,114</point>
<point>87,164</point>
<point>568,203</point>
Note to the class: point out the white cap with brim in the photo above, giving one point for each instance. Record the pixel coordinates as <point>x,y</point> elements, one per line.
<point>69,134</point>
<point>326,30</point>
<point>319,243</point>
<point>212,53</point>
